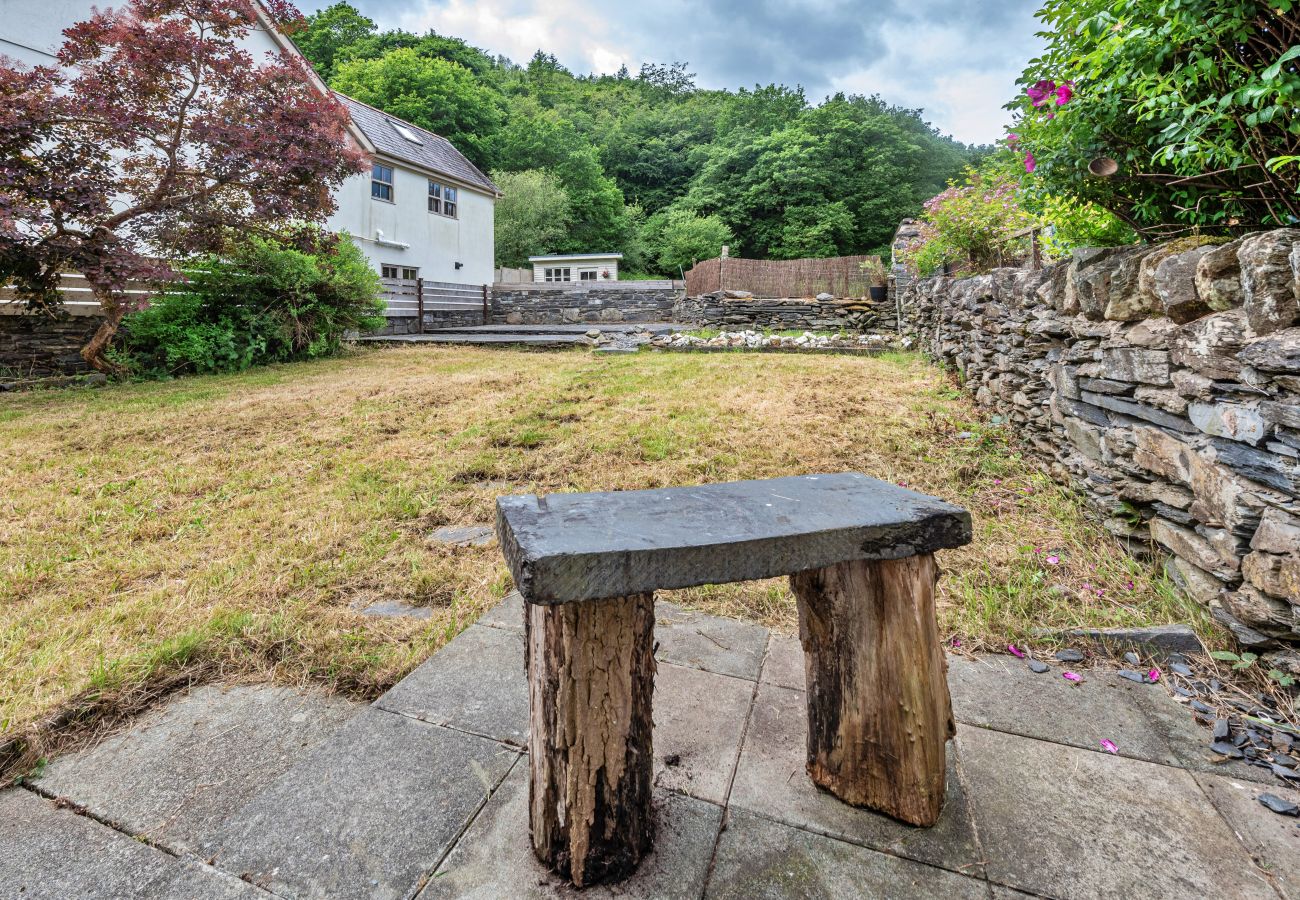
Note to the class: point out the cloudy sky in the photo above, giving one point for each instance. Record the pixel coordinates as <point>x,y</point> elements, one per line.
<point>956,59</point>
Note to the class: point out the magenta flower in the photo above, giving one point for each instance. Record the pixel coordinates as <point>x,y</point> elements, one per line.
<point>1153,676</point>
<point>1012,139</point>
<point>1064,93</point>
<point>1109,746</point>
<point>1039,93</point>
<point>1053,560</point>
<point>1072,676</point>
<point>1030,162</point>
<point>1015,652</point>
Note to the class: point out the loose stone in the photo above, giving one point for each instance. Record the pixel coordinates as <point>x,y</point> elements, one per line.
<point>1132,676</point>
<point>1276,804</point>
<point>1223,748</point>
<point>1070,656</point>
<point>1037,667</point>
<point>1132,658</point>
<point>1221,730</point>
<point>1180,669</point>
<point>1201,707</point>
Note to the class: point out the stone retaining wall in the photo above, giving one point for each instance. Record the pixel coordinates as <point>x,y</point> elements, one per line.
<point>568,305</point>
<point>36,347</point>
<point>736,310</point>
<point>432,319</point>
<point>1165,382</point>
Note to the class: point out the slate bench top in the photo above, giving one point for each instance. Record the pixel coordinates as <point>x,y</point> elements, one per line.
<point>563,548</point>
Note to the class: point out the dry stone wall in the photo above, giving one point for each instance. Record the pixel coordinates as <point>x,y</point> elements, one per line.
<point>738,310</point>
<point>36,347</point>
<point>624,301</point>
<point>1165,382</point>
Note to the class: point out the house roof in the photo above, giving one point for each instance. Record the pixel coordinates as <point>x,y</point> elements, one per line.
<point>433,152</point>
<point>565,256</point>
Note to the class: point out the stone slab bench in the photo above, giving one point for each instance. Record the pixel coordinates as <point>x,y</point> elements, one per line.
<point>860,556</point>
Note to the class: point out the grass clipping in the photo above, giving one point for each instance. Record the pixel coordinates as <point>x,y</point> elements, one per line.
<point>237,526</point>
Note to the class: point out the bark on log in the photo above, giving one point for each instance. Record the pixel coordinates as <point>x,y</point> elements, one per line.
<point>591,674</point>
<point>879,714</point>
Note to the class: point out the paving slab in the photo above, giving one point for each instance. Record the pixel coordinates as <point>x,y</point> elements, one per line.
<point>464,535</point>
<point>758,858</point>
<point>699,720</point>
<point>1273,839</point>
<point>772,780</point>
<point>564,548</point>
<point>494,858</point>
<point>784,664</point>
<point>48,853</point>
<point>1066,822</point>
<point>178,774</point>
<point>543,339</point>
<point>1190,742</point>
<point>509,613</point>
<point>475,683</point>
<point>1000,692</point>
<point>712,643</point>
<point>368,814</point>
<point>394,609</point>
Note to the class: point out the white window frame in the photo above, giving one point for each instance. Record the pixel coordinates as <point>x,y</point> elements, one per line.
<point>443,199</point>
<point>557,273</point>
<point>376,180</point>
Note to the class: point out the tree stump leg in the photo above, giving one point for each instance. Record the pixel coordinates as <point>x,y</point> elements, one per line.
<point>879,714</point>
<point>591,674</point>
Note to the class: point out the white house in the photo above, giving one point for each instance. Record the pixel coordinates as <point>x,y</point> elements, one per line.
<point>423,210</point>
<point>576,267</point>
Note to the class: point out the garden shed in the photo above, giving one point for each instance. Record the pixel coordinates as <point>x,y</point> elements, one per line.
<point>576,267</point>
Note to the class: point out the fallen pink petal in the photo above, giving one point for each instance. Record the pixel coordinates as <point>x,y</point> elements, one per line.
<point>1015,651</point>
<point>1053,560</point>
<point>1072,676</point>
<point>1109,746</point>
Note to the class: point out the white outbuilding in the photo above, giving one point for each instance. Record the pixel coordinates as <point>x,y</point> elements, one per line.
<point>595,267</point>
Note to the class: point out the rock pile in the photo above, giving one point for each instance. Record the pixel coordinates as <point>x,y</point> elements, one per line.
<point>1165,382</point>
<point>757,340</point>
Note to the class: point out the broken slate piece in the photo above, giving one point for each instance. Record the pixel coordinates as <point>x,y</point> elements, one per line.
<point>1284,760</point>
<point>1285,774</point>
<point>1274,803</point>
<point>1132,676</point>
<point>1180,669</point>
<point>1132,658</point>
<point>1070,656</point>
<point>1223,748</point>
<point>1221,729</point>
<point>1183,692</point>
<point>463,535</point>
<point>1200,707</point>
<point>1038,668</point>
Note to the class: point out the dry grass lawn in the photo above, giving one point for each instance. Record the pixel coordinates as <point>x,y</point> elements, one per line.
<point>154,534</point>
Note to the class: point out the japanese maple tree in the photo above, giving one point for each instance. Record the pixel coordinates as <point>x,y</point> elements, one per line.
<point>158,136</point>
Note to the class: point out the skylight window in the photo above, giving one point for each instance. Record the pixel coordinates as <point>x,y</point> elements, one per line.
<point>406,132</point>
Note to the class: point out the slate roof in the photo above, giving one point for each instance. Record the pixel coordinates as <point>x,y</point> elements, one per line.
<point>434,152</point>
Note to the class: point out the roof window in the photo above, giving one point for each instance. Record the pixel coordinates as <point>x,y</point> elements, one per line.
<point>406,132</point>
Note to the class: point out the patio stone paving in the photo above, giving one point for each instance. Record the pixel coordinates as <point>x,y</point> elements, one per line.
<point>246,792</point>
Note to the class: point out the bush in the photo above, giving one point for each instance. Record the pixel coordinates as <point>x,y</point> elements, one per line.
<point>266,300</point>
<point>1192,103</point>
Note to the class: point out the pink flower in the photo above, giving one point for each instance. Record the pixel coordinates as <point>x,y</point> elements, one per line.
<point>1030,162</point>
<point>1039,93</point>
<point>1072,676</point>
<point>956,642</point>
<point>1053,560</point>
<point>1064,93</point>
<point>1012,139</point>
<point>1109,746</point>
<point>1015,652</point>
<point>1153,676</point>
<point>1051,116</point>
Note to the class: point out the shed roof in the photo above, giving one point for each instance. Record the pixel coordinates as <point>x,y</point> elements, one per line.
<point>566,256</point>
<point>433,151</point>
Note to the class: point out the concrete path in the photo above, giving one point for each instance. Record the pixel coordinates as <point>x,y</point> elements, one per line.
<point>246,792</point>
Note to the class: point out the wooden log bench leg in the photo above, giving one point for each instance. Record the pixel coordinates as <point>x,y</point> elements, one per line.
<point>879,714</point>
<point>591,673</point>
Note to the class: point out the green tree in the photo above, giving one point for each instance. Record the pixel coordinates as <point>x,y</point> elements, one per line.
<point>326,32</point>
<point>532,217</point>
<point>442,96</point>
<point>679,238</point>
<point>815,231</point>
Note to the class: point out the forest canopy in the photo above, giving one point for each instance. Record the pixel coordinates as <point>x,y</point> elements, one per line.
<point>650,164</point>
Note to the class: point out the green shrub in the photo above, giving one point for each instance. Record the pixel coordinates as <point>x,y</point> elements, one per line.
<point>266,300</point>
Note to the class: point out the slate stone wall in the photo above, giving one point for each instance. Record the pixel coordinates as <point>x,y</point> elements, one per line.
<point>432,319</point>
<point>725,309</point>
<point>1165,382</point>
<point>539,305</point>
<point>34,347</point>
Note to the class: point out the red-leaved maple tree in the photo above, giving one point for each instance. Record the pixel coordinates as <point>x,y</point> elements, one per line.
<point>157,137</point>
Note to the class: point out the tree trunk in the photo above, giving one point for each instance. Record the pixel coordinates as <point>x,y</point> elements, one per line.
<point>879,714</point>
<point>93,352</point>
<point>591,674</point>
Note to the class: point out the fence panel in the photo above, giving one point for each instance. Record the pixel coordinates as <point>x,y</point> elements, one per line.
<point>842,276</point>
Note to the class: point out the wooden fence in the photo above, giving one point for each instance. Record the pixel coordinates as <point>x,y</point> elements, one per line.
<point>78,297</point>
<point>842,276</point>
<point>413,297</point>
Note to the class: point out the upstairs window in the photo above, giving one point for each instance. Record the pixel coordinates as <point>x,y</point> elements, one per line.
<point>381,182</point>
<point>442,199</point>
<point>557,275</point>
